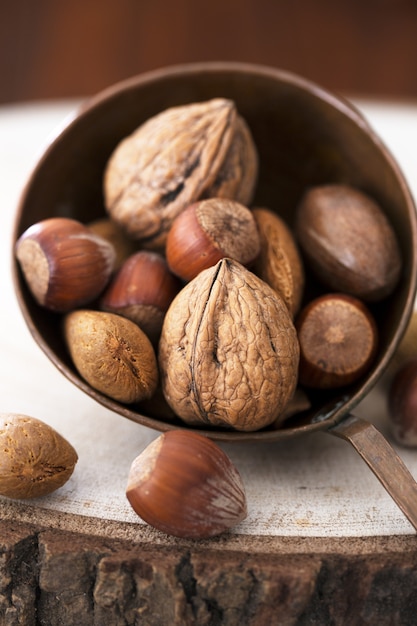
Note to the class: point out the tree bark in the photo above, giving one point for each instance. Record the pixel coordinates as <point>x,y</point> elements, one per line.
<point>54,577</point>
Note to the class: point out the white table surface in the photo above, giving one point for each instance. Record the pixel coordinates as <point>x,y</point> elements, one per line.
<point>312,486</point>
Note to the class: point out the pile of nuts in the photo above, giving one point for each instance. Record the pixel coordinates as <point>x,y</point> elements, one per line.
<point>186,290</point>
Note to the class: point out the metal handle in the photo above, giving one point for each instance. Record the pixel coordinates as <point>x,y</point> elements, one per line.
<point>382,460</point>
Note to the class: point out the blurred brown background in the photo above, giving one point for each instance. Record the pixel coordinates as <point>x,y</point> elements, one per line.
<point>60,48</point>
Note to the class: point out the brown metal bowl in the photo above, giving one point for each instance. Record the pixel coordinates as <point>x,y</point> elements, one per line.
<point>305,136</point>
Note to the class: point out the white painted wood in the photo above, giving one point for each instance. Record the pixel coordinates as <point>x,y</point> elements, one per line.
<point>312,486</point>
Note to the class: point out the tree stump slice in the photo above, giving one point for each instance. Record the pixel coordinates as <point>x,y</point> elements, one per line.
<point>55,576</point>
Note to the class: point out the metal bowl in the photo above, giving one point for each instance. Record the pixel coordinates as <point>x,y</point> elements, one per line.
<point>305,136</point>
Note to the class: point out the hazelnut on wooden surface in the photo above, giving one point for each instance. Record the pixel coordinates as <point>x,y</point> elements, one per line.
<point>208,231</point>
<point>338,341</point>
<point>142,291</point>
<point>35,459</point>
<point>228,352</point>
<point>180,155</point>
<point>348,241</point>
<point>402,404</point>
<point>112,354</point>
<point>185,485</point>
<point>65,265</point>
<point>279,262</point>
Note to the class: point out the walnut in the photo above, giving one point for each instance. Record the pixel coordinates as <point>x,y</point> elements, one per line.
<point>279,263</point>
<point>228,352</point>
<point>181,155</point>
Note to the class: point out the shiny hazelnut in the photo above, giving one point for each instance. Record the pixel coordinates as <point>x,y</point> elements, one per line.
<point>402,404</point>
<point>185,485</point>
<point>65,265</point>
<point>208,231</point>
<point>142,291</point>
<point>338,341</point>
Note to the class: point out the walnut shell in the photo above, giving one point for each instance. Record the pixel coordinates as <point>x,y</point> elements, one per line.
<point>228,352</point>
<point>35,459</point>
<point>181,155</point>
<point>279,263</point>
<point>112,354</point>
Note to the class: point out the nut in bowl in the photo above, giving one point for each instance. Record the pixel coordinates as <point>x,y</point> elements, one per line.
<point>304,137</point>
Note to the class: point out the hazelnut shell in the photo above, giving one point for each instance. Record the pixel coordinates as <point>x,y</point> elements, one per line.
<point>208,231</point>
<point>64,263</point>
<point>185,485</point>
<point>142,291</point>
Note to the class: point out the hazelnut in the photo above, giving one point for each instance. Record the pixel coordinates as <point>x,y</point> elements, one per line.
<point>112,354</point>
<point>338,341</point>
<point>402,404</point>
<point>185,485</point>
<point>348,241</point>
<point>208,231</point>
<point>65,265</point>
<point>142,291</point>
<point>35,459</point>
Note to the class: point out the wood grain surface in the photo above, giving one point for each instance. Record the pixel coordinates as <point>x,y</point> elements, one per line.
<point>54,577</point>
<point>65,49</point>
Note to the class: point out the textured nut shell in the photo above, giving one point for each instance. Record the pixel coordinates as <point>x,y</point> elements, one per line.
<point>338,341</point>
<point>279,262</point>
<point>185,485</point>
<point>112,354</point>
<point>348,241</point>
<point>208,230</point>
<point>231,226</point>
<point>175,158</point>
<point>228,351</point>
<point>34,458</point>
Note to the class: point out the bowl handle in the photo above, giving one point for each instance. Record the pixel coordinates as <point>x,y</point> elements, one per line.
<point>382,460</point>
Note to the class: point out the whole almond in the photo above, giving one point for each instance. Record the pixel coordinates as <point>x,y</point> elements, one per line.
<point>279,262</point>
<point>112,354</point>
<point>35,459</point>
